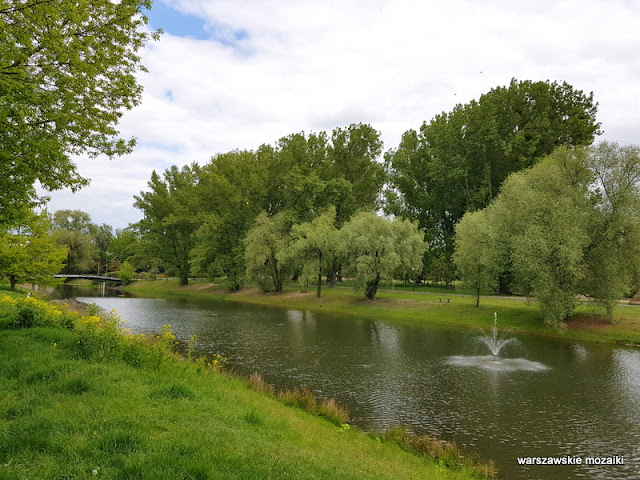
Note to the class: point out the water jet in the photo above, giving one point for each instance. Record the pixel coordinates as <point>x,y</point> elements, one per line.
<point>496,342</point>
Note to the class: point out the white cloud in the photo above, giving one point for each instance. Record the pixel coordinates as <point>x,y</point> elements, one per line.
<point>289,66</point>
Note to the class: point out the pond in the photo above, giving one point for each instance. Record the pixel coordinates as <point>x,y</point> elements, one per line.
<point>575,400</point>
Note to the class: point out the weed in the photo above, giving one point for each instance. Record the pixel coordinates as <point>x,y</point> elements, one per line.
<point>446,454</point>
<point>257,383</point>
<point>303,398</point>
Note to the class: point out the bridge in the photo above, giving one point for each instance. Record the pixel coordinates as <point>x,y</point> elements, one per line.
<point>94,278</point>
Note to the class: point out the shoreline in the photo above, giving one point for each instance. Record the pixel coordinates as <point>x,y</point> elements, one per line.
<point>421,309</point>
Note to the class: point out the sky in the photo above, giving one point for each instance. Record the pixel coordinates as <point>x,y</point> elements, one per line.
<point>236,74</point>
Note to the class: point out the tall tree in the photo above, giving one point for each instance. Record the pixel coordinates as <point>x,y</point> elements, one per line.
<point>315,243</point>
<point>102,238</point>
<point>230,194</point>
<point>266,247</point>
<point>28,251</point>
<point>375,247</point>
<point>567,226</point>
<point>613,255</point>
<point>73,228</point>
<point>171,217</point>
<point>475,255</point>
<point>458,161</point>
<point>68,69</point>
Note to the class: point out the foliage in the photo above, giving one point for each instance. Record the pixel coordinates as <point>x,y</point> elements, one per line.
<point>266,247</point>
<point>67,71</point>
<point>315,244</point>
<point>475,255</point>
<point>72,228</point>
<point>229,191</point>
<point>457,162</point>
<point>613,254</point>
<point>446,454</point>
<point>28,251</point>
<point>102,238</point>
<point>375,247</point>
<point>126,272</point>
<point>170,217</point>
<point>565,227</point>
<point>28,312</point>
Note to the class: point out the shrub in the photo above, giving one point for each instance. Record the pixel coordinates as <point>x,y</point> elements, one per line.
<point>29,312</point>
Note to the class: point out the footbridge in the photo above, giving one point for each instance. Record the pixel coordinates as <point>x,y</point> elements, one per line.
<point>94,278</point>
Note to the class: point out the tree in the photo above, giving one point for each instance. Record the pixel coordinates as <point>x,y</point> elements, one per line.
<point>230,193</point>
<point>102,238</point>
<point>68,69</point>
<point>171,217</point>
<point>126,272</point>
<point>569,225</point>
<point>265,247</point>
<point>73,228</point>
<point>28,251</point>
<point>475,256</point>
<point>458,162</point>
<point>375,247</point>
<point>125,247</point>
<point>315,243</point>
<point>613,254</point>
<point>539,225</point>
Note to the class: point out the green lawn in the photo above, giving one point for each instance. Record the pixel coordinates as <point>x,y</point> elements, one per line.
<point>80,400</point>
<point>420,308</point>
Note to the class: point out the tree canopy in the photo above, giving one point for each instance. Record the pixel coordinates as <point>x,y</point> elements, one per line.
<point>375,247</point>
<point>171,217</point>
<point>457,162</point>
<point>565,227</point>
<point>67,71</point>
<point>28,251</point>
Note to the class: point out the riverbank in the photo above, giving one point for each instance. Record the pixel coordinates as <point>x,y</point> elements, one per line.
<point>82,400</point>
<point>518,315</point>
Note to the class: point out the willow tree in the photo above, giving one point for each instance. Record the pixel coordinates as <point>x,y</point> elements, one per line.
<point>566,227</point>
<point>374,248</point>
<point>315,244</point>
<point>265,249</point>
<point>68,70</point>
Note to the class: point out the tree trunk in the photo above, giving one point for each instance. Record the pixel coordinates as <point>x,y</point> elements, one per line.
<point>332,274</point>
<point>319,290</point>
<point>184,279</point>
<point>477,297</point>
<point>13,280</point>
<point>371,289</point>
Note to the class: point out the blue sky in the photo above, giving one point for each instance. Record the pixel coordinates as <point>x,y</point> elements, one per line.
<point>235,74</point>
<point>173,22</point>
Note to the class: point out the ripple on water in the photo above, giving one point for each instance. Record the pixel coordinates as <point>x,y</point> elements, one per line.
<point>496,364</point>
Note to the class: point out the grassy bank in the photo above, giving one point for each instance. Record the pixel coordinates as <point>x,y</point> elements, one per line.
<point>421,308</point>
<point>82,400</point>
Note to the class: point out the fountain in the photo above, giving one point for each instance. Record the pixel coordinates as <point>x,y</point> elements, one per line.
<point>495,342</point>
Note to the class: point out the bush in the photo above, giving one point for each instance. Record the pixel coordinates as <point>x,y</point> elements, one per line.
<point>29,312</point>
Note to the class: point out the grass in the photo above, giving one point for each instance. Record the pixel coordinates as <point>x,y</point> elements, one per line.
<point>83,400</point>
<point>440,308</point>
